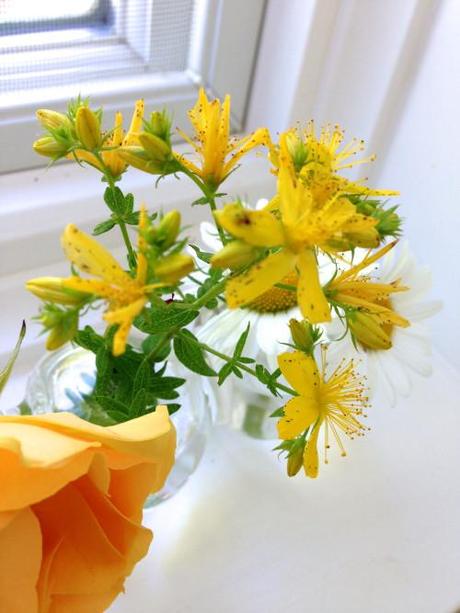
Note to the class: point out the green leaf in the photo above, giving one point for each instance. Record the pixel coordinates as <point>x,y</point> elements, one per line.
<point>6,372</point>
<point>225,372</point>
<point>241,342</point>
<point>132,219</point>
<point>204,256</point>
<point>138,403</point>
<point>162,320</point>
<point>278,413</point>
<point>190,354</point>
<point>129,204</point>
<point>103,227</point>
<point>149,344</point>
<point>143,377</point>
<point>164,387</point>
<point>173,407</point>
<point>89,339</point>
<point>115,200</point>
<point>202,200</point>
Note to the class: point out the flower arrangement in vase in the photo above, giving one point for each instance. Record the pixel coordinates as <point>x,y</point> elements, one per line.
<point>304,297</point>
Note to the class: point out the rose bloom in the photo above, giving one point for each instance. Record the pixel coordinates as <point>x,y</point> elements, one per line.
<point>71,498</point>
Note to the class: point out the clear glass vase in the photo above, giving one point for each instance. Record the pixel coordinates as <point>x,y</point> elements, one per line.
<point>62,379</point>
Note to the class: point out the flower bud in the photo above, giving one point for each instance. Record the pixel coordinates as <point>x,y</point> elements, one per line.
<point>61,334</point>
<point>297,149</point>
<point>172,268</point>
<point>368,331</point>
<point>138,158</point>
<point>156,149</point>
<point>160,125</point>
<point>51,289</point>
<point>49,147</point>
<point>62,324</point>
<point>88,128</point>
<point>50,120</point>
<point>295,459</point>
<point>234,255</point>
<point>303,335</point>
<point>168,229</point>
<point>368,239</point>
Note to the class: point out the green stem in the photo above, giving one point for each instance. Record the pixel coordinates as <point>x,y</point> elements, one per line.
<point>210,195</point>
<point>214,291</point>
<point>120,222</point>
<point>228,358</point>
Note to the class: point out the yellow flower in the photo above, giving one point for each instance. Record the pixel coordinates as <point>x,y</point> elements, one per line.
<point>318,159</point>
<point>374,317</point>
<point>336,402</point>
<point>71,507</point>
<point>218,152</point>
<point>296,230</point>
<point>126,296</point>
<point>110,157</point>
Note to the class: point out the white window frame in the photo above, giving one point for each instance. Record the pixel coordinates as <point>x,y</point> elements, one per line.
<point>221,60</point>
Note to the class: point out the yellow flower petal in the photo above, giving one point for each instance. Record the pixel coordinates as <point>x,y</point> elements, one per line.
<point>247,286</point>
<point>310,456</point>
<point>310,296</point>
<point>124,317</point>
<point>259,228</point>
<point>91,257</point>
<point>300,371</point>
<point>136,124</point>
<point>299,413</point>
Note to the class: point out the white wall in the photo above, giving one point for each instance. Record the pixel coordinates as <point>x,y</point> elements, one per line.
<point>423,162</point>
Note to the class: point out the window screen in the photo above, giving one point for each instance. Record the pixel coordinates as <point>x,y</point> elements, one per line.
<point>60,42</point>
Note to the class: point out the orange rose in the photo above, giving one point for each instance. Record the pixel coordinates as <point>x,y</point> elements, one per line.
<point>71,498</point>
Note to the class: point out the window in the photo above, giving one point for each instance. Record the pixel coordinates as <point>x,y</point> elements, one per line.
<point>115,51</point>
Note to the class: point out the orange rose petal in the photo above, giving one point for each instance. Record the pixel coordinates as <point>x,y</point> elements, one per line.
<point>98,547</point>
<point>20,559</point>
<point>84,603</point>
<point>23,485</point>
<point>129,488</point>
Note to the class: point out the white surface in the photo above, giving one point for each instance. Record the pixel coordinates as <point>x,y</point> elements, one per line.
<point>378,532</point>
<point>422,162</point>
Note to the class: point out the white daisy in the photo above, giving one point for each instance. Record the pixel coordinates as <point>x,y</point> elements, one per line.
<point>392,370</point>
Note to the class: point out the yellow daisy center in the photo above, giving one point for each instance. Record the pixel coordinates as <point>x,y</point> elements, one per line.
<point>276,299</point>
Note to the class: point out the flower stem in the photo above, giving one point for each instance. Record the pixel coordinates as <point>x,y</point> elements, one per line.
<point>120,222</point>
<point>248,369</point>
<point>210,196</point>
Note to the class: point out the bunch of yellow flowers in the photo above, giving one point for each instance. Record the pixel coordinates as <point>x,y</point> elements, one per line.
<point>315,213</point>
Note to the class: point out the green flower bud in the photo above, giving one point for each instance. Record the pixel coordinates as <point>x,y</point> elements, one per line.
<point>61,323</point>
<point>304,335</point>
<point>168,229</point>
<point>138,158</point>
<point>156,149</point>
<point>50,120</point>
<point>234,255</point>
<point>160,126</point>
<point>295,458</point>
<point>173,267</point>
<point>49,147</point>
